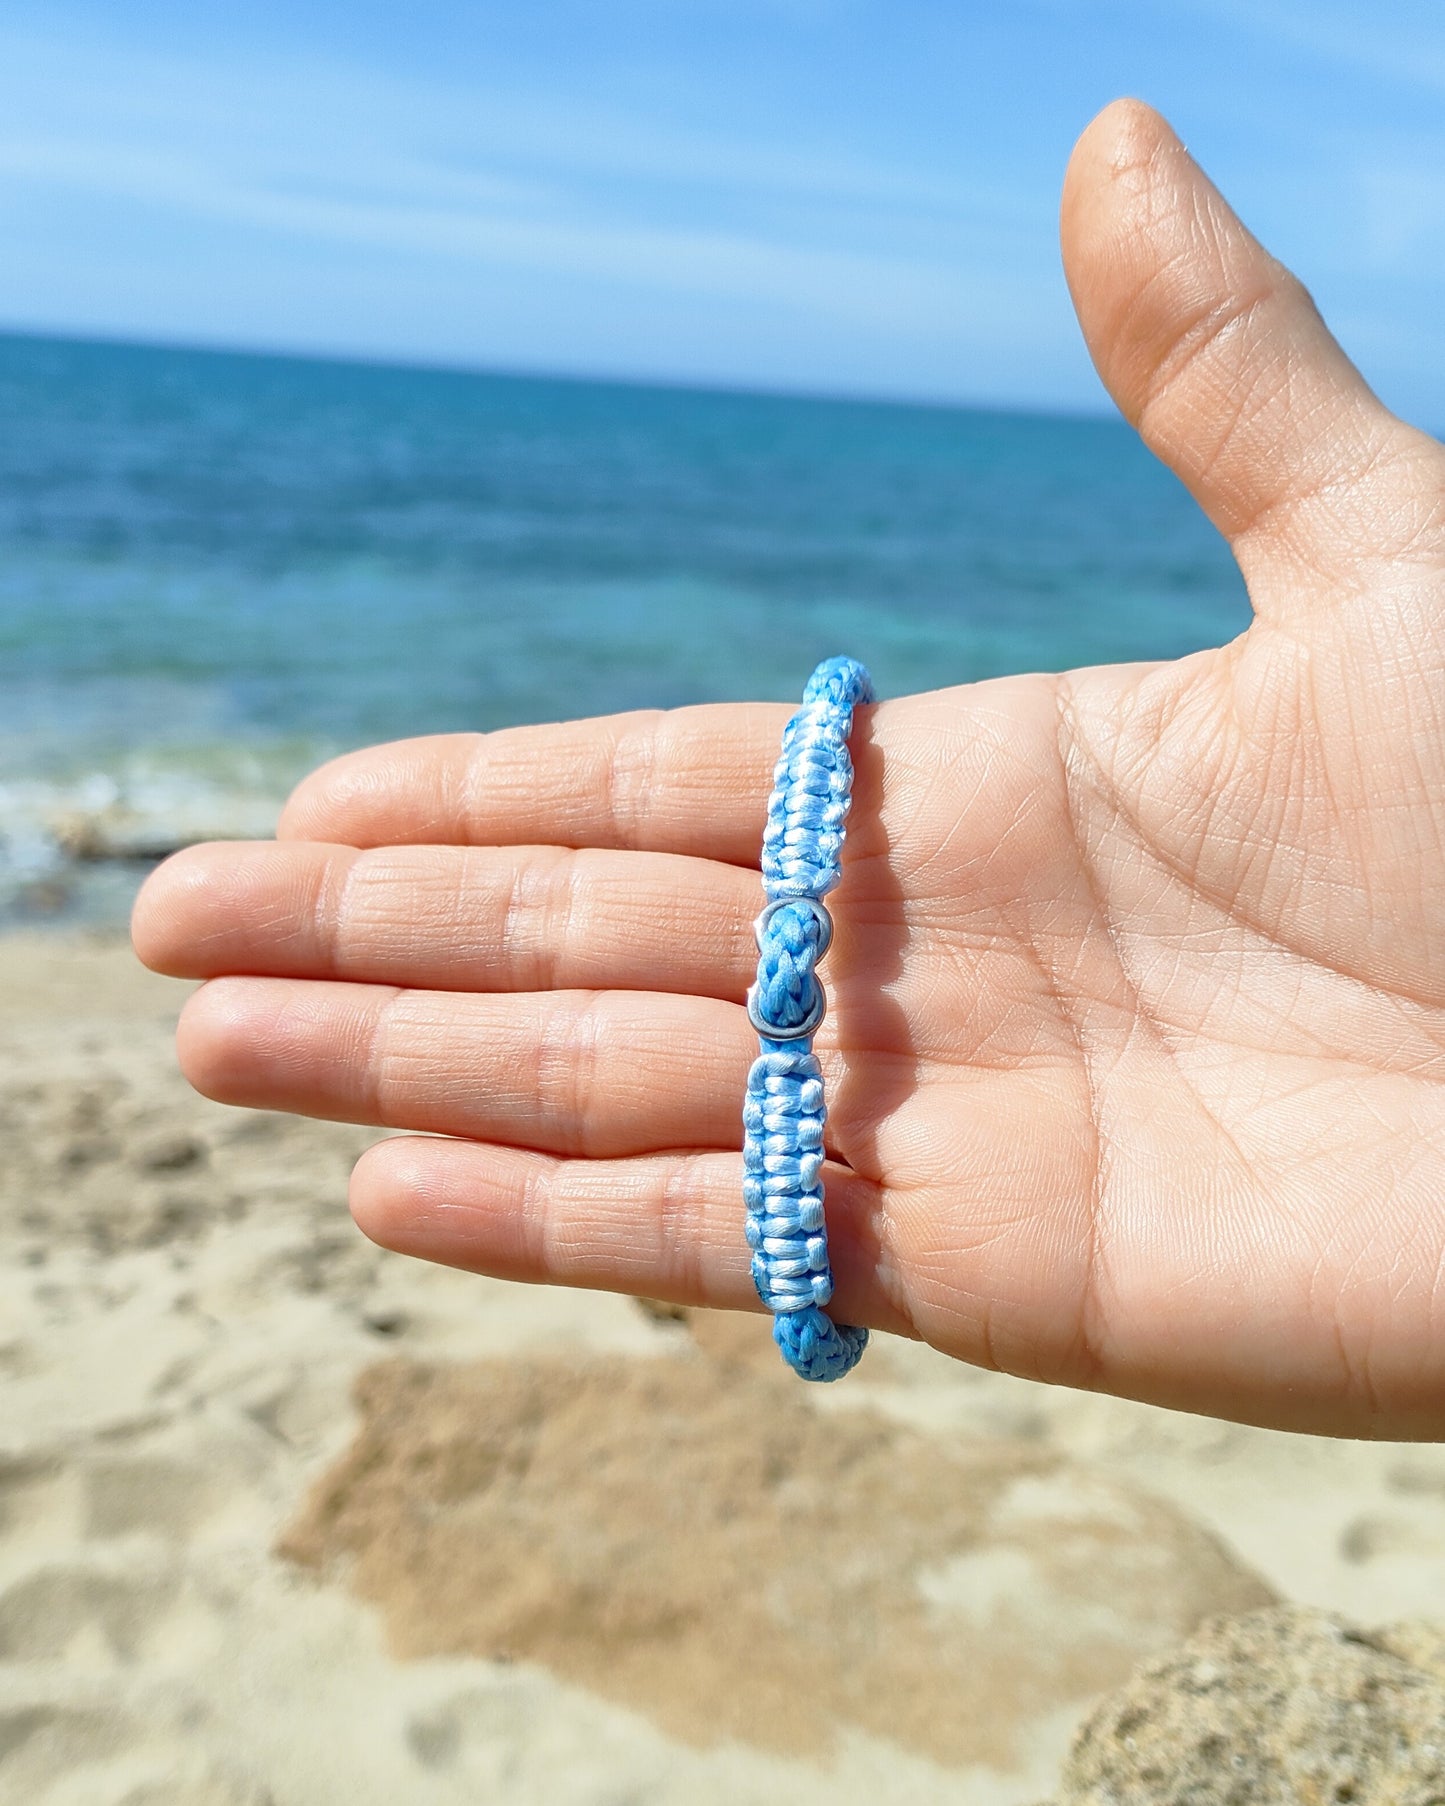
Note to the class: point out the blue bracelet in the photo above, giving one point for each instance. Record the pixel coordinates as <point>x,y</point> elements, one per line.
<point>783,1116</point>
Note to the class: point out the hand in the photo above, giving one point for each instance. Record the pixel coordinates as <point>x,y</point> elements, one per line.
<point>1136,1048</point>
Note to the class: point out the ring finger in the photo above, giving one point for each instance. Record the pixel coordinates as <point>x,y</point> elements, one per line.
<point>590,1073</point>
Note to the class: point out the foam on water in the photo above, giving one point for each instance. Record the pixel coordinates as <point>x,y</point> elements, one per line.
<point>75,848</point>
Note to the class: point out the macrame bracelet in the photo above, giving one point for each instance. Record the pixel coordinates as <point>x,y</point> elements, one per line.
<point>783,1116</point>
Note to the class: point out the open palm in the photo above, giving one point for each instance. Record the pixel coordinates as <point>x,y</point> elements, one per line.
<point>1136,1051</point>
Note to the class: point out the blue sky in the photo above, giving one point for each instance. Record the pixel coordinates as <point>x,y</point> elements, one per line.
<point>853,196</point>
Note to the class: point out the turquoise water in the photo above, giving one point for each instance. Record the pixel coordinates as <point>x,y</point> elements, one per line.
<point>215,569</point>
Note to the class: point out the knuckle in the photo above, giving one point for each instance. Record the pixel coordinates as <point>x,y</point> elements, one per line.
<point>631,774</point>
<point>538,931</point>
<point>570,1033</point>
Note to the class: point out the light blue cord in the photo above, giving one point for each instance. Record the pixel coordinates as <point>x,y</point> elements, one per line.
<point>783,1115</point>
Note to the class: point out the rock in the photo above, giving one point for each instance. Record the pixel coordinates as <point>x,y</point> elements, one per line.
<point>1418,1641</point>
<point>1282,1707</point>
<point>155,821</point>
<point>114,834</point>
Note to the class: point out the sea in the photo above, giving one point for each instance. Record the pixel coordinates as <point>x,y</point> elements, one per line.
<point>217,569</point>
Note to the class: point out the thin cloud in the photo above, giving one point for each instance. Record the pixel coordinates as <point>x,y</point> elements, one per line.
<point>684,260</point>
<point>309,111</point>
<point>416,170</point>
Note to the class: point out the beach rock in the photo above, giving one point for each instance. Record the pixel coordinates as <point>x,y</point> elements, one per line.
<point>114,833</point>
<point>144,829</point>
<point>1282,1707</point>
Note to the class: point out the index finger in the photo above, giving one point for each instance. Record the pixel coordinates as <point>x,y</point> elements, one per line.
<point>693,781</point>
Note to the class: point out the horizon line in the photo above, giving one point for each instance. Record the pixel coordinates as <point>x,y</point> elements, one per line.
<point>423,365</point>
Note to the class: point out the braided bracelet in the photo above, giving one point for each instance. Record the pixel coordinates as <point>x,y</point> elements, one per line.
<point>783,1116</point>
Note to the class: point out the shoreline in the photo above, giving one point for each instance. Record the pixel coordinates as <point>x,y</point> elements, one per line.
<point>70,861</point>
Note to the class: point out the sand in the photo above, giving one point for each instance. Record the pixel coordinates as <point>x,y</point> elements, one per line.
<point>287,1519</point>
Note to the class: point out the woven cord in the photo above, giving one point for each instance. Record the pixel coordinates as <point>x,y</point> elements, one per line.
<point>783,1115</point>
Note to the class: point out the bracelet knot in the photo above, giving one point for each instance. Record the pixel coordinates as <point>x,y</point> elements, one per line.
<point>786,1002</point>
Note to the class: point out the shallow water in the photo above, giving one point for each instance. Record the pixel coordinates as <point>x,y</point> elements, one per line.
<point>216,569</point>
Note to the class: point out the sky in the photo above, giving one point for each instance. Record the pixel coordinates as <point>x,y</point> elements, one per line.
<point>839,196</point>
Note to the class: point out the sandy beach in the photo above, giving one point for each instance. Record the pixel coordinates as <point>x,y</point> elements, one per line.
<point>285,1518</point>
